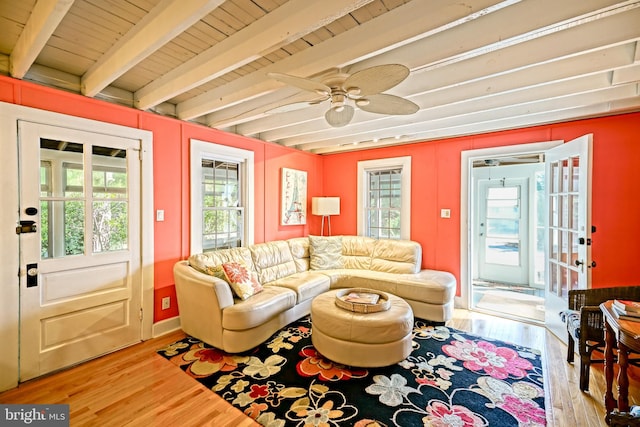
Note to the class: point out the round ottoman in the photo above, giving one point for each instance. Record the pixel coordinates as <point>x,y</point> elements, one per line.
<point>365,340</point>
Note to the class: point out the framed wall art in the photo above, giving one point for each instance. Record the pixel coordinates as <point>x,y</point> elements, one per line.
<point>294,197</point>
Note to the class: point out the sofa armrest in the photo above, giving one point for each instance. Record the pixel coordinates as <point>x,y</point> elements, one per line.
<point>185,275</point>
<point>201,299</point>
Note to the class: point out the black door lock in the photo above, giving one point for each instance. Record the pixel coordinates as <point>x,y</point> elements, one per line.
<point>26,227</point>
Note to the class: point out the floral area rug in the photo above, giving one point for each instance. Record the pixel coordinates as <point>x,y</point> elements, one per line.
<point>451,378</point>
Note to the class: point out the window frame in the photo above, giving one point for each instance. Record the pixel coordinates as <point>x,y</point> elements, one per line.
<point>204,150</point>
<point>366,166</point>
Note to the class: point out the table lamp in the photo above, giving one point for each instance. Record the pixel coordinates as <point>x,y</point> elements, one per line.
<point>325,206</point>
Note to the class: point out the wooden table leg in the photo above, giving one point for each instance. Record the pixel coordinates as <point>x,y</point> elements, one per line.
<point>623,379</point>
<point>610,343</point>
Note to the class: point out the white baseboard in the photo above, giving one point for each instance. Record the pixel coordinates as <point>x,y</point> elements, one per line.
<point>166,326</point>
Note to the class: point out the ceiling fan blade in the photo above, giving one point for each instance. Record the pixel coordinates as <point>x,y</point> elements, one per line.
<point>301,83</point>
<point>338,117</point>
<point>296,105</point>
<point>376,79</point>
<point>387,104</point>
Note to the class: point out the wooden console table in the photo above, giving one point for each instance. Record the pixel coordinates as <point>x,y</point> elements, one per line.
<point>626,335</point>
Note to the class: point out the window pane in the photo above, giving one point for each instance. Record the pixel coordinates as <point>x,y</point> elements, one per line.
<point>109,209</point>
<point>502,251</point>
<point>73,180</point>
<point>110,182</point>
<point>73,212</point>
<point>110,230</point>
<point>222,228</point>
<point>45,251</point>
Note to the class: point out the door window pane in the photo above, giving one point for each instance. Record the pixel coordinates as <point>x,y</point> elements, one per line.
<point>502,243</point>
<point>109,226</point>
<point>110,204</point>
<point>73,226</point>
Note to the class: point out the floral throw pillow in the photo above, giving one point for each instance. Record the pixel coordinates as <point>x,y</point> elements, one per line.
<point>243,282</point>
<point>216,271</point>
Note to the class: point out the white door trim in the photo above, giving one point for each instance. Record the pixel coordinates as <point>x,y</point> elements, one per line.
<point>467,158</point>
<point>9,289</point>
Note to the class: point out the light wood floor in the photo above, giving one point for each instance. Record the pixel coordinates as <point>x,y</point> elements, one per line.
<point>137,387</point>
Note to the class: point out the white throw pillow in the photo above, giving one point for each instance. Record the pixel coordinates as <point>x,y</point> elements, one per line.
<point>325,252</point>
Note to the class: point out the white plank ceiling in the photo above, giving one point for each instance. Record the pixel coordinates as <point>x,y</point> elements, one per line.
<point>475,66</point>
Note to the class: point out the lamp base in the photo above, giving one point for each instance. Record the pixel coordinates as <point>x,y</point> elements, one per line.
<point>328,221</point>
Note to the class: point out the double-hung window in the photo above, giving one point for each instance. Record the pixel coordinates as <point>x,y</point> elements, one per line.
<point>221,197</point>
<point>384,198</point>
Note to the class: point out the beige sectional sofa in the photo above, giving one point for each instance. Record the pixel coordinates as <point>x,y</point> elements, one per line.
<point>292,272</point>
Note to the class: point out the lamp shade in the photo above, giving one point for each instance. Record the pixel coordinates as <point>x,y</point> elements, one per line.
<point>325,205</point>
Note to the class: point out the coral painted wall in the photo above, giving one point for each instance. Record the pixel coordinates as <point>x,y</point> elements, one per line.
<point>436,185</point>
<point>435,179</point>
<point>171,174</point>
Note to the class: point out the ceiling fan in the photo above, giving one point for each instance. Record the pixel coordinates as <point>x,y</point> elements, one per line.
<point>363,89</point>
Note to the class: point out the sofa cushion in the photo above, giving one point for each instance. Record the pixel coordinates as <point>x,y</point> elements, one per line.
<point>258,309</point>
<point>211,259</point>
<point>300,251</point>
<point>396,256</point>
<point>357,251</point>
<point>272,260</point>
<point>243,282</point>
<point>306,285</point>
<point>325,252</point>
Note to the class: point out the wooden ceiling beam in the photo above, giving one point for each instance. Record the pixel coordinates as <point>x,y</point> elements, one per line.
<point>44,19</point>
<point>165,21</point>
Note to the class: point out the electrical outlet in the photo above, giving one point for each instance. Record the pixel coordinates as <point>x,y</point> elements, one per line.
<point>166,303</point>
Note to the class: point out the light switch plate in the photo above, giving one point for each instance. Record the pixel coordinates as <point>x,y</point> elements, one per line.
<point>160,215</point>
<point>445,213</point>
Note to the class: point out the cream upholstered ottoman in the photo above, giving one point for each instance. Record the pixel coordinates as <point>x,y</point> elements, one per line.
<point>361,339</point>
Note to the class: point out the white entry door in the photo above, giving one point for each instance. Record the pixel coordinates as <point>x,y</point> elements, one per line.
<point>568,188</point>
<point>80,262</point>
<point>503,249</point>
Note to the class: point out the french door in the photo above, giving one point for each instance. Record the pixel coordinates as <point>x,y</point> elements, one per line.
<point>80,254</point>
<point>568,266</point>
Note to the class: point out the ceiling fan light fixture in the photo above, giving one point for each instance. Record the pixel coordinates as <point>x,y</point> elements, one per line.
<point>340,118</point>
<point>362,102</point>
